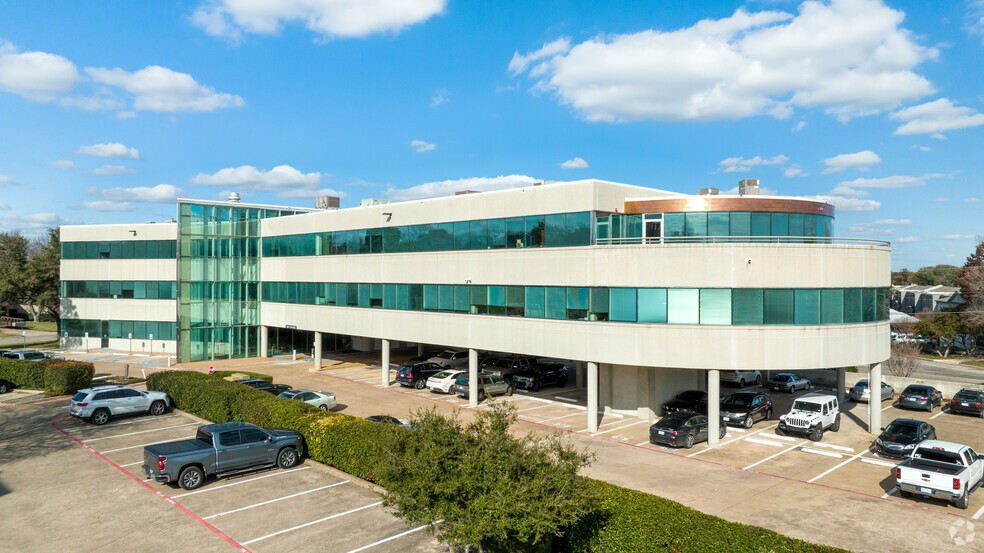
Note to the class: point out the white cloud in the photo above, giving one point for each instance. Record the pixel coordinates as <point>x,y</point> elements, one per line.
<point>157,88</point>
<point>922,148</point>
<point>247,177</point>
<point>975,18</point>
<point>879,226</point>
<point>958,237</point>
<point>65,164</point>
<point>897,181</point>
<point>908,239</point>
<point>972,200</point>
<point>520,63</point>
<point>162,193</point>
<point>126,114</point>
<point>849,57</point>
<point>331,18</point>
<point>92,103</point>
<point>5,180</point>
<point>36,221</point>
<point>936,117</point>
<point>576,163</point>
<point>941,200</point>
<point>4,207</point>
<point>112,149</point>
<point>103,205</point>
<point>857,160</point>
<point>799,126</point>
<point>843,203</point>
<point>113,170</point>
<point>441,96</point>
<point>793,171</point>
<point>420,146</point>
<point>311,193</point>
<point>36,76</point>
<point>892,222</point>
<point>449,187</point>
<point>742,165</point>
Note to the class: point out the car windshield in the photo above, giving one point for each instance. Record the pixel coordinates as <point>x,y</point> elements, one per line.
<point>671,421</point>
<point>900,431</point>
<point>784,377</point>
<point>861,384</point>
<point>806,406</point>
<point>737,401</point>
<point>691,395</point>
<point>916,390</point>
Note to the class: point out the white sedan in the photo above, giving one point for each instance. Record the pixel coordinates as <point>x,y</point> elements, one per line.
<point>443,381</point>
<point>321,400</point>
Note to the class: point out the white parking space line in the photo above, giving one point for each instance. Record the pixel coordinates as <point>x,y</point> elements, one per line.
<point>890,492</point>
<point>937,414</point>
<point>764,442</point>
<point>887,408</point>
<point>739,430</point>
<point>770,457</point>
<point>567,399</point>
<point>131,464</point>
<point>837,447</point>
<point>561,417</point>
<point>784,438</point>
<point>145,419</point>
<point>532,408</point>
<point>620,427</point>
<point>278,473</point>
<point>276,500</point>
<point>978,513</point>
<point>738,438</point>
<point>644,443</point>
<point>306,524</point>
<point>821,452</point>
<point>142,445</point>
<point>832,469</point>
<point>382,541</point>
<point>139,432</point>
<point>877,462</point>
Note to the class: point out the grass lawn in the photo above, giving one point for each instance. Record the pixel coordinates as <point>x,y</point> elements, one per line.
<point>973,363</point>
<point>50,326</point>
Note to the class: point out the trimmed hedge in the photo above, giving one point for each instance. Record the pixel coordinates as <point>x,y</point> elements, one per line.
<point>261,376</point>
<point>624,519</point>
<point>55,377</point>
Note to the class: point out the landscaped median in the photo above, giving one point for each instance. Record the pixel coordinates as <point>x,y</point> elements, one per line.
<point>618,519</point>
<point>55,377</point>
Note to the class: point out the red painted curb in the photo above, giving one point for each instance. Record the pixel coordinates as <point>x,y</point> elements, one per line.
<point>160,494</point>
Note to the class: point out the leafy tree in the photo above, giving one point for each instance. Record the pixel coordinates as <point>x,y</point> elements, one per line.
<point>901,278</point>
<point>945,275</point>
<point>480,486</point>
<point>43,275</point>
<point>971,283</point>
<point>13,264</point>
<point>941,328</point>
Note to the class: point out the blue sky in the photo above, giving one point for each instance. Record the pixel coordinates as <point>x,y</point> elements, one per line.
<point>111,110</point>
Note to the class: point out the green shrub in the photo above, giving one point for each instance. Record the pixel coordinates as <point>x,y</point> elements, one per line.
<point>22,374</point>
<point>261,376</point>
<point>66,377</point>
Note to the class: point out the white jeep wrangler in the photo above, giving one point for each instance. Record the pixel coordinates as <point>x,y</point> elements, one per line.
<point>811,415</point>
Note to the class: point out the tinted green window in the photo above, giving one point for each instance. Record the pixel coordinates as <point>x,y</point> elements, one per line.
<point>673,224</point>
<point>515,232</point>
<point>715,306</point>
<point>403,296</point>
<point>555,231</point>
<point>577,304</point>
<point>622,302</point>
<point>796,224</point>
<point>696,224</point>
<point>462,237</point>
<point>747,306</point>
<point>555,302</point>
<point>535,228</point>
<point>430,297</point>
<point>809,225</point>
<point>780,224</point>
<point>416,297</point>
<point>831,306</point>
<point>480,299</point>
<point>578,229</point>
<point>778,307</point>
<point>515,301</point>
<point>852,305</point>
<point>375,295</point>
<point>496,233</point>
<point>761,224</point>
<point>718,224</point>
<point>807,306</point>
<point>535,306</point>
<point>598,306</point>
<point>741,223</point>
<point>497,300</point>
<point>462,299</point>
<point>651,307</point>
<point>882,300</point>
<point>682,306</point>
<point>389,296</point>
<point>153,289</point>
<point>393,240</point>
<point>479,234</point>
<point>869,304</point>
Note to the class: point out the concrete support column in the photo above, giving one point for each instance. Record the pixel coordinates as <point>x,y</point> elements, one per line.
<point>318,353</point>
<point>592,396</point>
<point>473,377</point>
<point>420,349</point>
<point>385,361</point>
<point>874,400</point>
<point>841,385</point>
<point>264,341</point>
<point>579,374</point>
<point>713,407</point>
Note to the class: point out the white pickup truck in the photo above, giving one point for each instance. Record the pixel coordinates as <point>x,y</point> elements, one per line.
<point>944,470</point>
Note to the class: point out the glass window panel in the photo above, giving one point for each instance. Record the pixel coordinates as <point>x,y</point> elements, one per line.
<point>115,250</point>
<point>375,295</point>
<point>673,224</point>
<point>403,297</point>
<point>603,224</point>
<point>535,306</point>
<point>577,304</point>
<point>747,306</point>
<point>598,304</point>
<point>515,301</point>
<point>555,230</point>
<point>496,233</point>
<point>622,303</point>
<point>715,306</point>
<point>651,305</point>
<point>376,240</point>
<point>761,224</point>
<point>534,231</point>
<point>555,299</point>
<point>389,296</point>
<point>444,237</point>
<point>796,224</point>
<point>807,306</point>
<point>882,314</point>
<point>139,290</point>
<point>718,224</point>
<point>102,289</point>
<point>140,249</point>
<point>363,291</point>
<point>153,249</point>
<point>416,296</point>
<point>497,300</point>
<point>810,225</point>
<point>516,232</point>
<point>578,229</point>
<point>431,300</point>
<point>741,223</point>
<point>683,306</point>
<point>827,226</point>
<point>696,224</point>
<point>115,328</point>
<point>127,249</point>
<point>831,306</point>
<point>152,290</point>
<point>393,240</point>
<point>632,226</point>
<point>852,305</point>
<point>869,304</point>
<point>479,234</point>
<point>780,224</point>
<point>479,299</point>
<point>462,298</point>
<point>778,307</point>
<point>462,237</point>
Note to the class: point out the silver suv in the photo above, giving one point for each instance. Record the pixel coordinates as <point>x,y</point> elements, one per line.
<point>99,404</point>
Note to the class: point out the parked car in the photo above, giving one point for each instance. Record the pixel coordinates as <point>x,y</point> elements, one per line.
<point>540,375</point>
<point>920,396</point>
<point>742,377</point>
<point>5,386</point>
<point>901,436</point>
<point>745,408</point>
<point>387,419</point>
<point>683,428</point>
<point>968,401</point>
<point>450,359</point>
<point>415,376</point>
<point>221,449</point>
<point>691,400</point>
<point>861,392</point>
<point>25,355</point>
<point>100,403</point>
<point>788,382</point>
<point>487,386</point>
<point>507,367</point>
<point>811,415</point>
<point>321,400</point>
<point>943,470</point>
<point>443,381</point>
<point>264,386</point>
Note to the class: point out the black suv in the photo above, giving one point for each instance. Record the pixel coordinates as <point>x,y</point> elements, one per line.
<point>745,408</point>
<point>416,375</point>
<point>264,386</point>
<point>547,374</point>
<point>968,401</point>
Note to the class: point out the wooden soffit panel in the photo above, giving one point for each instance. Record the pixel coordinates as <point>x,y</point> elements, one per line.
<point>718,203</point>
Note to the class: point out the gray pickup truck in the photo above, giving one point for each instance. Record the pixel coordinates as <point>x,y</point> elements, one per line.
<point>221,449</point>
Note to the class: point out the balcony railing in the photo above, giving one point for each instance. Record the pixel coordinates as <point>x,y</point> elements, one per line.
<point>827,240</point>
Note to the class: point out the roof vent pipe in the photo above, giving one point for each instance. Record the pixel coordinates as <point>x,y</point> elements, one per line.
<point>234,197</point>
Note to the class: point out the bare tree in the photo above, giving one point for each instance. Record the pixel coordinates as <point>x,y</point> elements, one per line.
<point>904,359</point>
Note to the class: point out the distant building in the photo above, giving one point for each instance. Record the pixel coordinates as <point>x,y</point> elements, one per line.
<point>916,299</point>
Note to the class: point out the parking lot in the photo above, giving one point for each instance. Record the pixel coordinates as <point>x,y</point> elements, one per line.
<point>307,508</point>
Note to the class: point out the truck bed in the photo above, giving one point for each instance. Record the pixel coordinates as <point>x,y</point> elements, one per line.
<point>174,448</point>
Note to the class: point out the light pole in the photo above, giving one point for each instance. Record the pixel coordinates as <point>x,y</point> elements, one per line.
<point>130,335</point>
<point>87,342</point>
<point>151,343</point>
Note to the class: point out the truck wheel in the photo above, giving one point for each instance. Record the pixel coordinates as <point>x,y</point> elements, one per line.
<point>157,408</point>
<point>419,384</point>
<point>536,386</point>
<point>287,458</point>
<point>481,396</point>
<point>100,417</point>
<point>837,423</point>
<point>816,434</point>
<point>509,390</point>
<point>191,478</point>
<point>963,501</point>
<point>3,388</point>
<point>689,442</point>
